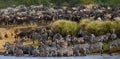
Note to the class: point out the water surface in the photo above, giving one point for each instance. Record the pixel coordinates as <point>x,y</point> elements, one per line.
<point>105,56</point>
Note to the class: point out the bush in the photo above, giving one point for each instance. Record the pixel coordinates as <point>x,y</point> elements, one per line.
<point>83,23</point>
<point>100,27</point>
<point>117,26</point>
<point>94,27</point>
<point>65,27</point>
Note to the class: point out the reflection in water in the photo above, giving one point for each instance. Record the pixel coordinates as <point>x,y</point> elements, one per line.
<point>81,57</point>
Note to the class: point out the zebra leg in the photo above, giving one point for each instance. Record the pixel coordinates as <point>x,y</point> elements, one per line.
<point>101,51</point>
<point>6,53</point>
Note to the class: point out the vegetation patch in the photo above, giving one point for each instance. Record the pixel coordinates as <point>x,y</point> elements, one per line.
<point>65,27</point>
<point>100,27</point>
<point>95,27</point>
<point>83,23</point>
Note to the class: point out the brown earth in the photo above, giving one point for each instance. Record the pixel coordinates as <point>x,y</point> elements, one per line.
<point>10,31</point>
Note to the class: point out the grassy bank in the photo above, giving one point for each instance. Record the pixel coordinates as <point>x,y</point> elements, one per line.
<point>65,27</point>
<point>95,27</point>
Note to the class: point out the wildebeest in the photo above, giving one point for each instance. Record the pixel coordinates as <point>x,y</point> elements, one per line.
<point>6,35</point>
<point>36,14</point>
<point>35,36</point>
<point>22,34</point>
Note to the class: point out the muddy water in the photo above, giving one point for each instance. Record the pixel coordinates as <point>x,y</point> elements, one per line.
<point>105,56</point>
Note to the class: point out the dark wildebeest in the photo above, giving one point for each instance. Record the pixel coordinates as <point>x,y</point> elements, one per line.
<point>22,34</point>
<point>6,35</point>
<point>35,36</point>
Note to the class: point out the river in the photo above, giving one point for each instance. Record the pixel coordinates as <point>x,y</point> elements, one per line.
<point>105,56</point>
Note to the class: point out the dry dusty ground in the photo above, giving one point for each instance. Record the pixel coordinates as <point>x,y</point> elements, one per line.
<point>10,31</point>
<point>10,38</point>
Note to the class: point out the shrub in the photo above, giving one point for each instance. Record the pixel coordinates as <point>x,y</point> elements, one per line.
<point>65,27</point>
<point>83,23</point>
<point>100,27</point>
<point>94,27</point>
<point>117,26</point>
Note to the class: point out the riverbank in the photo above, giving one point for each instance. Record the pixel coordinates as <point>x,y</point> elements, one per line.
<point>11,40</point>
<point>112,52</point>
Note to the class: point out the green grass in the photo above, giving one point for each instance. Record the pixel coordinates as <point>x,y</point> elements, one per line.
<point>65,27</point>
<point>105,46</point>
<point>100,27</point>
<point>95,27</point>
<point>83,23</point>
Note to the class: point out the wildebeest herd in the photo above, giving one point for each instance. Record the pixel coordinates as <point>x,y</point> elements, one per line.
<point>22,14</point>
<point>51,44</point>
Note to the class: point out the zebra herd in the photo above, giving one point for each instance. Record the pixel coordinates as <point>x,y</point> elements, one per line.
<point>51,44</point>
